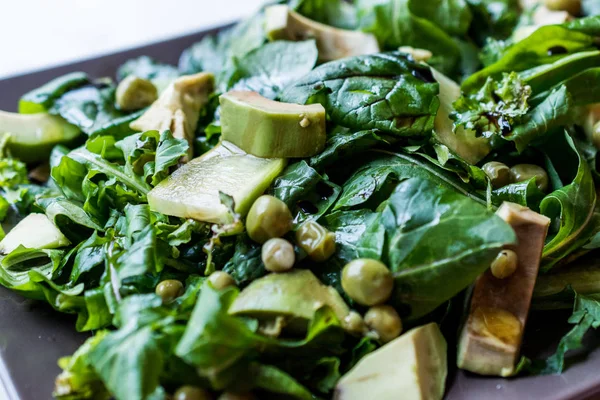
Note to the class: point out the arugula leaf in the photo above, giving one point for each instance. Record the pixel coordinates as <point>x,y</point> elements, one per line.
<point>586,315</point>
<point>273,66</point>
<point>531,52</point>
<point>119,357</point>
<point>495,108</point>
<point>79,380</point>
<point>152,154</point>
<point>573,205</point>
<point>436,243</point>
<point>386,91</point>
<point>221,345</point>
<point>395,25</point>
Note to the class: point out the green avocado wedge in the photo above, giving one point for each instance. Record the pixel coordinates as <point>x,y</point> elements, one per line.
<point>294,295</point>
<point>461,142</point>
<point>193,190</point>
<point>32,136</point>
<point>268,128</point>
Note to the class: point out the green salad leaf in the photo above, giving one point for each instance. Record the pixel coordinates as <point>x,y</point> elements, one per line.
<point>368,92</point>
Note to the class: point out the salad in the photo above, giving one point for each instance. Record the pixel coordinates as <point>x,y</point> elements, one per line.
<point>331,199</point>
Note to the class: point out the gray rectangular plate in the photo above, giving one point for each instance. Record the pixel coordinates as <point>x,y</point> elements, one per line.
<point>33,336</point>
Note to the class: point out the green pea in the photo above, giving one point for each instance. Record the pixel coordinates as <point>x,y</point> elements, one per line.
<point>498,173</point>
<point>384,321</point>
<point>221,279</point>
<point>505,264</point>
<point>268,218</point>
<point>316,241</point>
<point>524,172</point>
<point>134,93</point>
<point>278,255</point>
<point>368,282</point>
<point>169,290</point>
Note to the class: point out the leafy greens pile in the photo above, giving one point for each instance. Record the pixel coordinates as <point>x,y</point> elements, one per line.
<point>387,187</point>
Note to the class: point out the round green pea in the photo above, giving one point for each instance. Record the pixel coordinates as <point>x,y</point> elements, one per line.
<point>368,282</point>
<point>268,218</point>
<point>169,289</point>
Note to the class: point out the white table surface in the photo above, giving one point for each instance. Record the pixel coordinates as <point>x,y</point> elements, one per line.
<point>36,34</point>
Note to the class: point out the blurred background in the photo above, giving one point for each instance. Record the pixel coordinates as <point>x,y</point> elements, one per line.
<point>36,34</point>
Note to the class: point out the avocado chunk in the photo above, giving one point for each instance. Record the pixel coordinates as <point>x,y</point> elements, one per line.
<point>411,367</point>
<point>461,142</point>
<point>294,295</point>
<point>490,340</point>
<point>35,231</point>
<point>32,136</point>
<point>282,23</point>
<point>268,128</point>
<point>178,107</point>
<point>193,190</point>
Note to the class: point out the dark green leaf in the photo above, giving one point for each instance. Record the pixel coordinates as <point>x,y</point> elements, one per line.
<point>386,91</point>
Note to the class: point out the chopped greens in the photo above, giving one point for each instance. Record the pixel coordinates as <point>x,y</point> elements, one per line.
<point>401,207</point>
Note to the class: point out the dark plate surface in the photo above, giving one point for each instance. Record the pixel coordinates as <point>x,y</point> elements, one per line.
<point>33,336</point>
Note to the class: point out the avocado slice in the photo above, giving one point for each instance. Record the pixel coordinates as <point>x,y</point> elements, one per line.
<point>461,142</point>
<point>178,107</point>
<point>32,136</point>
<point>490,340</point>
<point>268,128</point>
<point>294,295</point>
<point>35,231</point>
<point>413,366</point>
<point>282,23</point>
<point>193,190</point>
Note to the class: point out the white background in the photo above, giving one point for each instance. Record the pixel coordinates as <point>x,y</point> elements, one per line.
<point>35,34</point>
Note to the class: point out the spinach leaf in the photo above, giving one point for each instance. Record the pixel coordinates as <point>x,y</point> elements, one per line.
<point>580,87</point>
<point>92,109</point>
<point>572,205</point>
<point>273,66</point>
<point>385,91</point>
<point>145,67</point>
<point>394,25</point>
<point>246,264</point>
<point>545,76</point>
<point>337,13</point>
<point>531,52</point>
<point>554,112</point>
<point>589,25</point>
<point>42,98</point>
<point>373,182</point>
<point>436,242</point>
<point>349,227</point>
<point>453,16</point>
<point>494,19</point>
<point>215,53</point>
<point>307,193</point>
<point>343,144</point>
